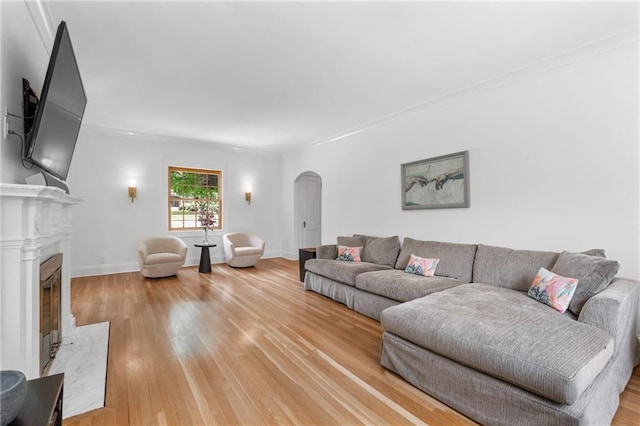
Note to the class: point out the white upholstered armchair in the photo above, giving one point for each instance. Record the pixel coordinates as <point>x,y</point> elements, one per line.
<point>161,256</point>
<point>241,249</point>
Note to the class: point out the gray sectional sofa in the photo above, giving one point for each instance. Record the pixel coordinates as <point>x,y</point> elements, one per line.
<point>471,336</point>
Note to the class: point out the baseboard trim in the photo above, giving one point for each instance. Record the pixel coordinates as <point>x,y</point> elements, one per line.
<point>290,256</point>
<point>89,271</point>
<point>120,268</point>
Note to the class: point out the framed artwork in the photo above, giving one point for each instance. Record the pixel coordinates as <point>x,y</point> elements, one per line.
<point>436,183</point>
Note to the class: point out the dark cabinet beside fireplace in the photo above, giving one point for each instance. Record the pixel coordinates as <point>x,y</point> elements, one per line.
<point>43,403</point>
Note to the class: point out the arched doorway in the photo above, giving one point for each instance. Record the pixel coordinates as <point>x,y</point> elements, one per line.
<point>307,193</point>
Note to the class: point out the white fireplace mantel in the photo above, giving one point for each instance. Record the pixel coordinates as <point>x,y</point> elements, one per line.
<point>35,223</point>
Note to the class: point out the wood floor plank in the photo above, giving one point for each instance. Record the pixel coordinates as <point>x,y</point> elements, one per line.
<point>249,346</point>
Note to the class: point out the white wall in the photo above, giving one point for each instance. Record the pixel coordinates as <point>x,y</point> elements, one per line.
<point>107,224</point>
<point>23,56</point>
<point>553,166</point>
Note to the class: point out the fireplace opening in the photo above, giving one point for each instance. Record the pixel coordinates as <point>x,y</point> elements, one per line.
<point>50,309</point>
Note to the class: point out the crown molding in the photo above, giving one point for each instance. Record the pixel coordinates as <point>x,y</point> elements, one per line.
<point>42,20</point>
<point>172,138</point>
<point>560,60</point>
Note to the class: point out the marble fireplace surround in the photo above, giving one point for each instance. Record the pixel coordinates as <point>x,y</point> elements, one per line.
<point>35,224</point>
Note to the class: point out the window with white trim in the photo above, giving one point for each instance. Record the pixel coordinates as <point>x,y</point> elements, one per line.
<point>195,199</point>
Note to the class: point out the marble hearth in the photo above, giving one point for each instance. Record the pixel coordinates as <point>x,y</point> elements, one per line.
<point>35,224</point>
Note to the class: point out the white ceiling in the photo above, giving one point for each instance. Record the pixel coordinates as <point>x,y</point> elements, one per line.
<point>279,76</point>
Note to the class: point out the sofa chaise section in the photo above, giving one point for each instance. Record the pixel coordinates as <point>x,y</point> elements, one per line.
<point>492,353</point>
<point>506,335</point>
<point>493,401</point>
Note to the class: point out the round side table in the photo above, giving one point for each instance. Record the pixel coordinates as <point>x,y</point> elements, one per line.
<point>205,259</point>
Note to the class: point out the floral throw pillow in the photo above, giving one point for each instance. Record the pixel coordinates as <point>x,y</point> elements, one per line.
<point>349,254</point>
<point>421,266</point>
<point>553,290</point>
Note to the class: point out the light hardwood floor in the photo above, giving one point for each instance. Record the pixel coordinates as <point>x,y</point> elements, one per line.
<point>249,346</point>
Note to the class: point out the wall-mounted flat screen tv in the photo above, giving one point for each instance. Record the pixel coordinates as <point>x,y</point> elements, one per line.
<point>52,133</point>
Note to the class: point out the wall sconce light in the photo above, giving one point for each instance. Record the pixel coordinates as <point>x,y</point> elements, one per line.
<point>247,195</point>
<point>132,189</point>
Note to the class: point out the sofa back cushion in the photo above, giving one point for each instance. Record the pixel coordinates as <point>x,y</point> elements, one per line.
<point>508,268</point>
<point>351,241</point>
<point>383,251</point>
<point>594,274</point>
<point>456,260</point>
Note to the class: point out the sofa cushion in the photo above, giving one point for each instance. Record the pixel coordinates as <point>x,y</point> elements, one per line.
<point>400,286</point>
<point>505,267</point>
<point>507,335</point>
<point>553,290</point>
<point>383,251</point>
<point>456,260</point>
<point>594,274</point>
<point>337,270</point>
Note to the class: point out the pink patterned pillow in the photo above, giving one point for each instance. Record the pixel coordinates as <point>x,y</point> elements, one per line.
<point>349,254</point>
<point>421,266</point>
<point>553,290</point>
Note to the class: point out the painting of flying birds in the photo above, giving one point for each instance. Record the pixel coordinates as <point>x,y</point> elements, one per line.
<point>436,183</point>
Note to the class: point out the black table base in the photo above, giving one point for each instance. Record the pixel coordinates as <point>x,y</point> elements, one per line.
<point>205,259</point>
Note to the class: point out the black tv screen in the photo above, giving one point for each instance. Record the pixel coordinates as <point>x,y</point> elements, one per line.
<point>52,139</point>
